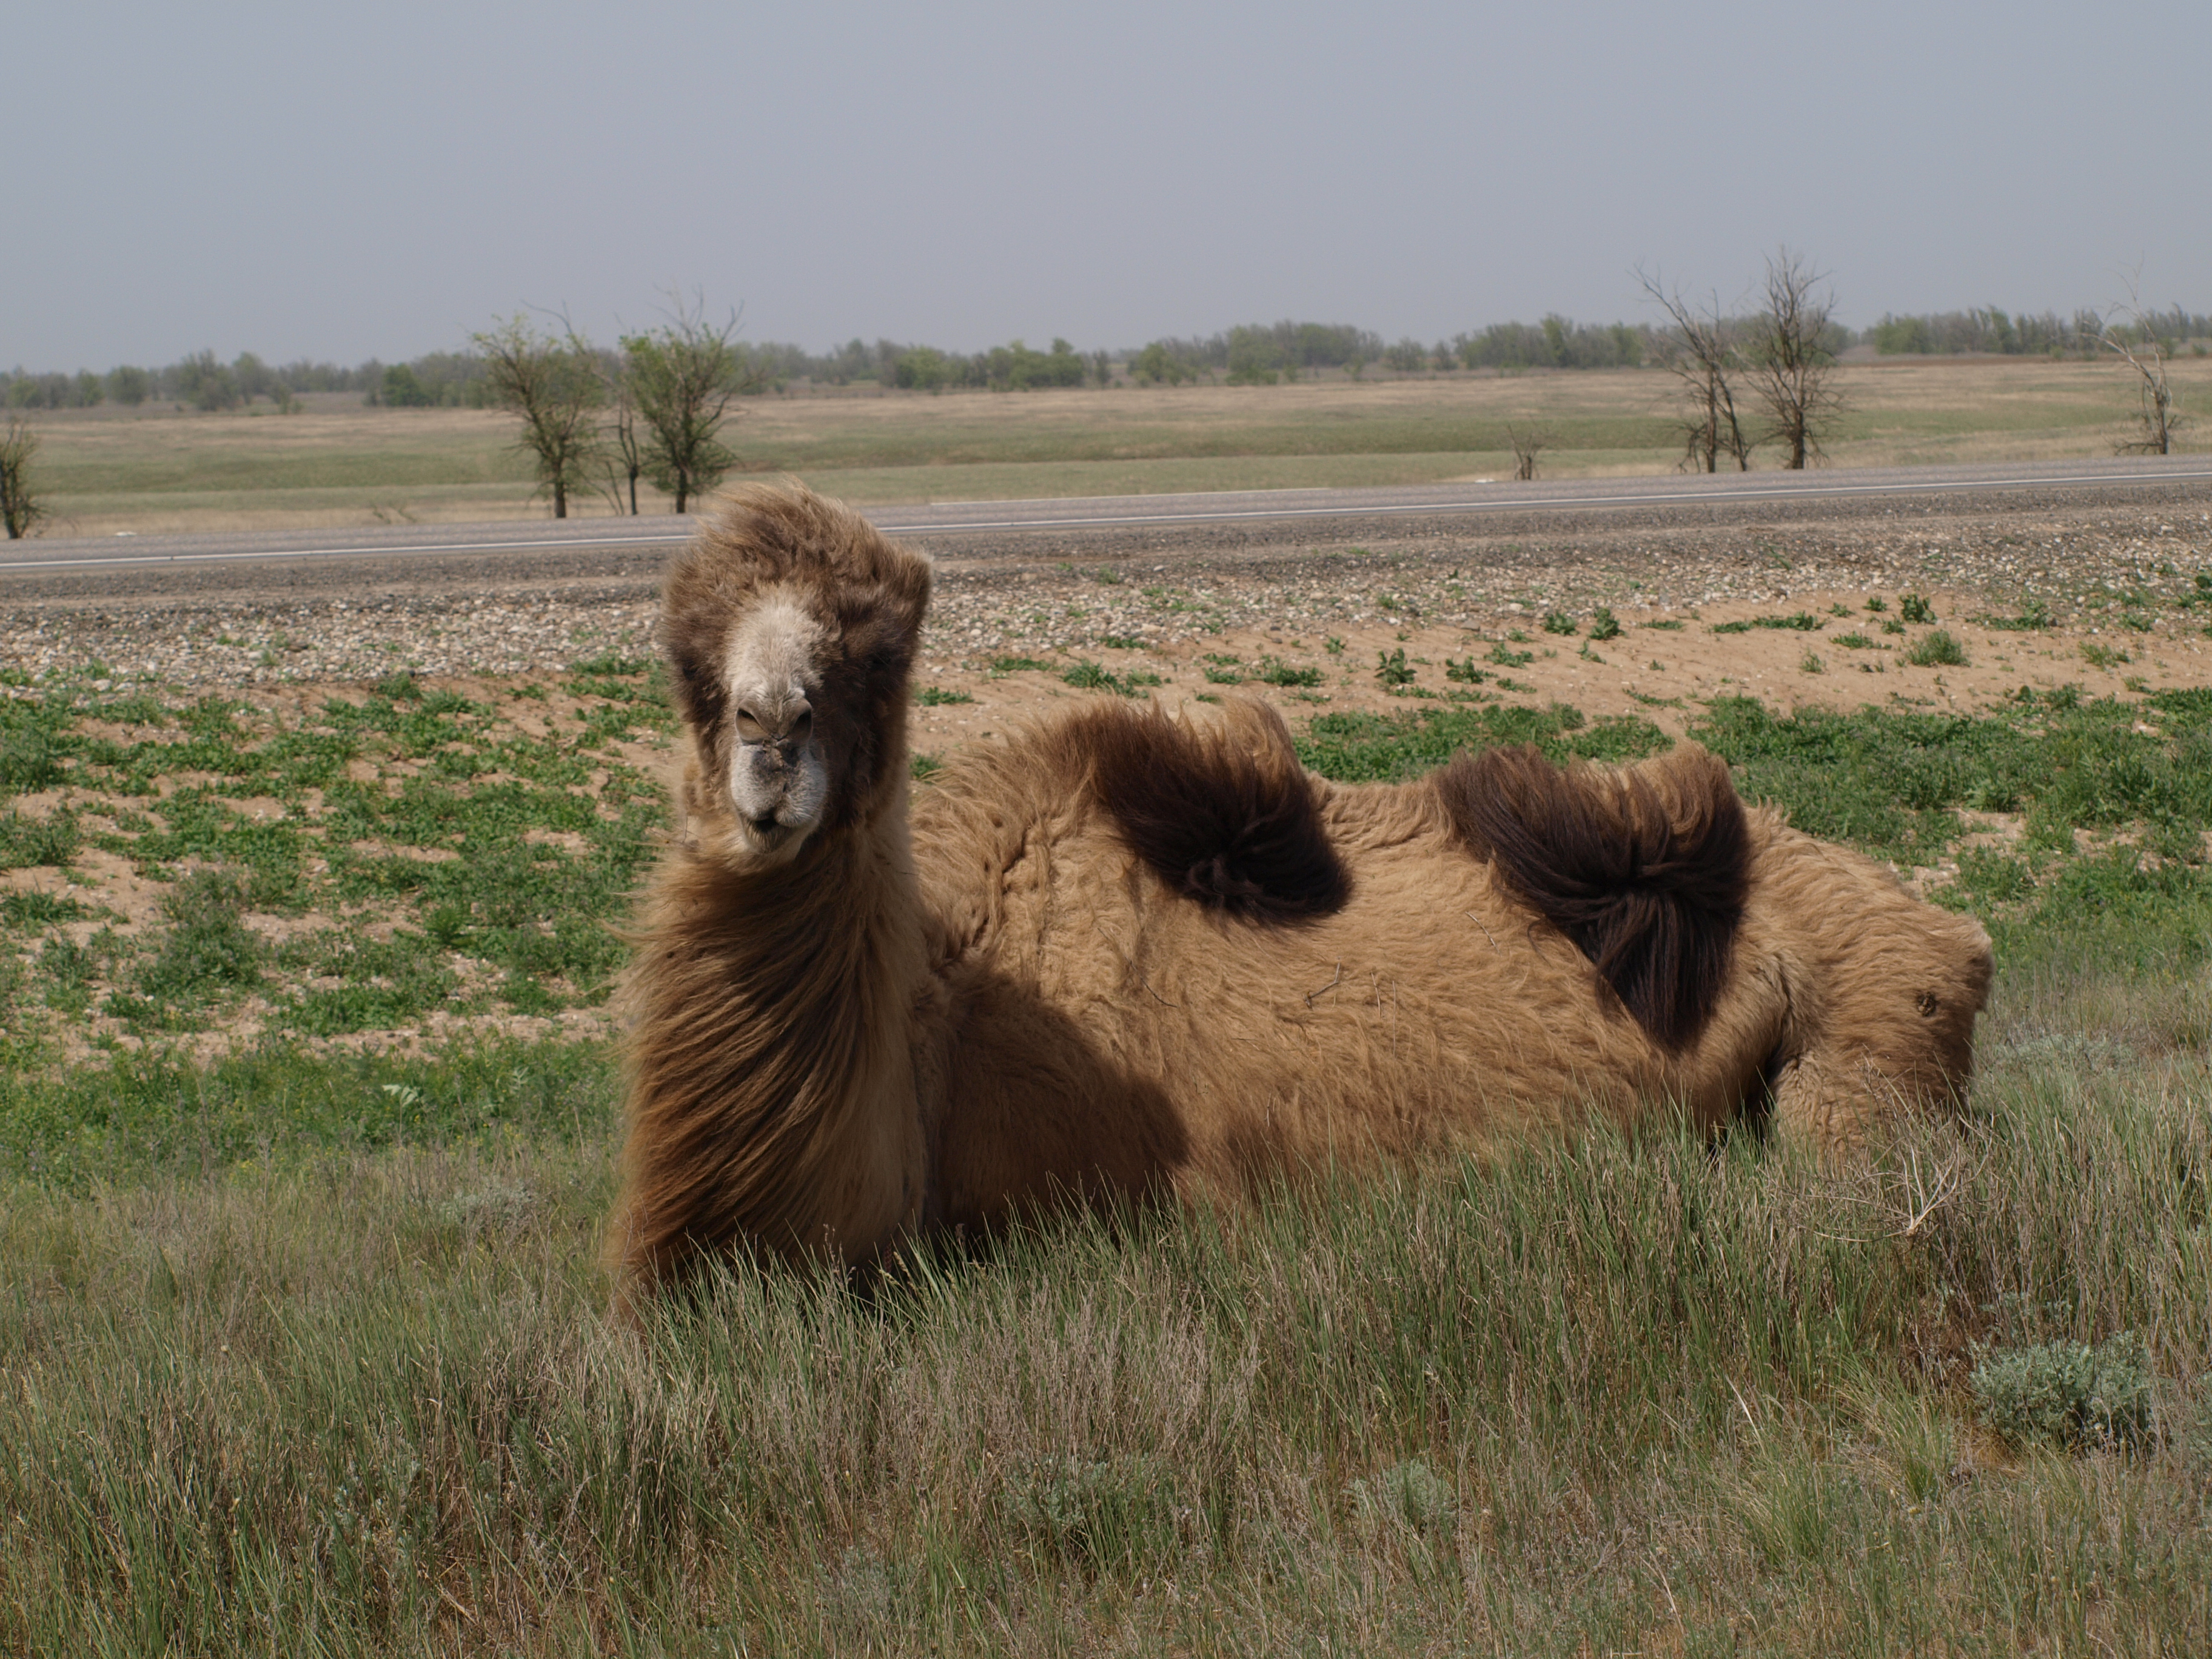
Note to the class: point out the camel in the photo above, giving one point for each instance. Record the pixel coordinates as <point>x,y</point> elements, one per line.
<point>1131,956</point>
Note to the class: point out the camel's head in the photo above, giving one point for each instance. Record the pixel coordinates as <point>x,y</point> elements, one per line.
<point>790,627</point>
<point>1886,989</point>
<point>1919,1027</point>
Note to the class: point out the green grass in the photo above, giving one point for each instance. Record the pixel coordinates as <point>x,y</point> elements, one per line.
<point>1087,676</point>
<point>1804,621</point>
<point>302,1349</point>
<point>1361,748</point>
<point>357,825</point>
<point>1937,648</point>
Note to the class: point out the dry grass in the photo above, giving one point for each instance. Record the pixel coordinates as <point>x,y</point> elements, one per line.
<point>333,464</point>
<point>1604,1399</point>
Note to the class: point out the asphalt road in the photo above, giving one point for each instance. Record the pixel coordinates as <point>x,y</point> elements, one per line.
<point>429,555</point>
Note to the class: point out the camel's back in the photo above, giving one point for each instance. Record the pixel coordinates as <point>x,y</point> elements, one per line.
<point>1103,1026</point>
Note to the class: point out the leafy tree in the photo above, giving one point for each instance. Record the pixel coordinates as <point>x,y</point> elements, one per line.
<point>553,382</point>
<point>1159,364</point>
<point>682,376</point>
<point>20,508</point>
<point>1017,367</point>
<point>403,389</point>
<point>255,379</point>
<point>1257,358</point>
<point>853,360</point>
<point>129,387</point>
<point>1408,356</point>
<point>200,379</point>
<point>923,369</point>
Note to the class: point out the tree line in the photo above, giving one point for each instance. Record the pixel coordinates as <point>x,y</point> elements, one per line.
<point>1989,330</point>
<point>204,381</point>
<point>1254,354</point>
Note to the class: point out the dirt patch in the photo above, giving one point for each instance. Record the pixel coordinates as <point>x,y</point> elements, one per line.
<point>1663,665</point>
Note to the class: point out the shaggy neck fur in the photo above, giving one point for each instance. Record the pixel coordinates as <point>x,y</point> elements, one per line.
<point>771,1081</point>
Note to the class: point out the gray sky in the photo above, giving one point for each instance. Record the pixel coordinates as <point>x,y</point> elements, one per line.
<point>306,180</point>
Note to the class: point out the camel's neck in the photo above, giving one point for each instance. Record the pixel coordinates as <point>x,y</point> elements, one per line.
<point>772,1088</point>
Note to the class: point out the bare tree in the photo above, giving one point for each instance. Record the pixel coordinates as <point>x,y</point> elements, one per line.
<point>623,456</point>
<point>684,375</point>
<point>1791,365</point>
<point>1527,446</point>
<point>1700,350</point>
<point>20,507</point>
<point>2146,354</point>
<point>554,383</point>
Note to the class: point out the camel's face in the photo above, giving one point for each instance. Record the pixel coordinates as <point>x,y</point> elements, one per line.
<point>778,767</point>
<point>790,703</point>
<point>790,627</point>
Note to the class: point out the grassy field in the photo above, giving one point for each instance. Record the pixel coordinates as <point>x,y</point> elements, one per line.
<point>338,463</point>
<point>300,1344</point>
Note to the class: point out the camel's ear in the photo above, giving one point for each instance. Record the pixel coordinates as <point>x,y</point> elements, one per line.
<point>1646,869</point>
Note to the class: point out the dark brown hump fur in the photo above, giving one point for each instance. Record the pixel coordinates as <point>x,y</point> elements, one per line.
<point>1643,868</point>
<point>1223,812</point>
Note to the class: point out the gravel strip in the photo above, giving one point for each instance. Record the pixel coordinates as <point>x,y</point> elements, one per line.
<point>1040,592</point>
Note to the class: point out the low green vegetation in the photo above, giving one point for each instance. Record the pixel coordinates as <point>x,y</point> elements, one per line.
<point>1804,621</point>
<point>369,864</point>
<point>1937,648</point>
<point>1087,676</point>
<point>302,1345</point>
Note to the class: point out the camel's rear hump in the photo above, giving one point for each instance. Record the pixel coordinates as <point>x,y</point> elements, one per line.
<point>1645,867</point>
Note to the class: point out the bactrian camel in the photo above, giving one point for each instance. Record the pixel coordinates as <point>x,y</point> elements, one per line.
<point>1131,955</point>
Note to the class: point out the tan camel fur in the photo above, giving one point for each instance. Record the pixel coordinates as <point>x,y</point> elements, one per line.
<point>1135,955</point>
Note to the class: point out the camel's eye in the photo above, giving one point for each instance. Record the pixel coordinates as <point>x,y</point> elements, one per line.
<point>751,728</point>
<point>1927,1004</point>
